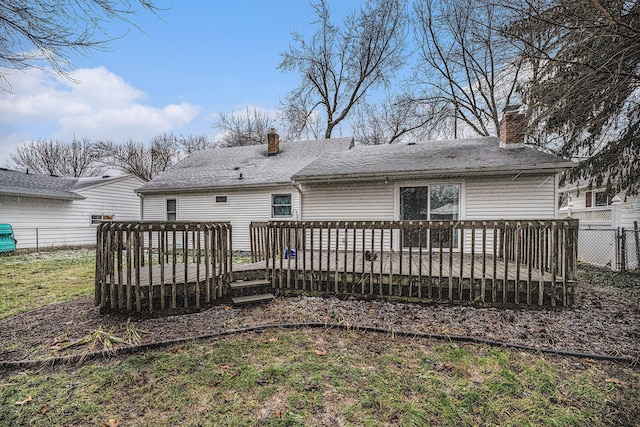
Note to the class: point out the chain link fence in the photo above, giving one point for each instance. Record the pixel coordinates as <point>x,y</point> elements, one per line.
<point>629,243</point>
<point>615,248</point>
<point>42,238</point>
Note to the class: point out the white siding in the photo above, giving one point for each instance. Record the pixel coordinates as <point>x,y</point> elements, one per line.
<point>579,200</point>
<point>630,211</point>
<point>523,197</point>
<point>486,198</point>
<point>48,223</point>
<point>241,209</point>
<point>518,197</point>
<point>481,198</point>
<point>117,198</point>
<point>349,202</point>
<point>358,202</point>
<point>153,208</point>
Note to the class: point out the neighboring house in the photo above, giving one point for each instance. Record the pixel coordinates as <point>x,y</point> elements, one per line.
<point>332,180</point>
<point>50,211</point>
<point>609,235</point>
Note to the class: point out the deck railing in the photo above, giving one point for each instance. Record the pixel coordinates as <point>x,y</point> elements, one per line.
<point>494,261</point>
<point>146,266</point>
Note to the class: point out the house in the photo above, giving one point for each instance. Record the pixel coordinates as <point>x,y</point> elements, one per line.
<point>333,180</point>
<point>609,225</point>
<point>236,184</point>
<point>50,211</point>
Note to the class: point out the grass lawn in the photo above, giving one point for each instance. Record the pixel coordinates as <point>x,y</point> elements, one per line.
<point>299,377</point>
<point>314,378</point>
<point>33,280</point>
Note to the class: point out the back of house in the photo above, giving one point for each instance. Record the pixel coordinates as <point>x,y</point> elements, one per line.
<point>333,180</point>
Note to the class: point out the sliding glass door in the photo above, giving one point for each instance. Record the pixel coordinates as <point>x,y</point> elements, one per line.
<point>433,202</point>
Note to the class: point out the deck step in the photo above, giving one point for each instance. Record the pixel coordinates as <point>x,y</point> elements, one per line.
<point>242,284</point>
<point>252,299</point>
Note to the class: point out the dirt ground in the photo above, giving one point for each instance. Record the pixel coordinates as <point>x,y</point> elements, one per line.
<point>605,320</point>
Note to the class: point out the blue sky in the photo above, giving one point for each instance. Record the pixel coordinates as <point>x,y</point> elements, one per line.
<point>194,61</point>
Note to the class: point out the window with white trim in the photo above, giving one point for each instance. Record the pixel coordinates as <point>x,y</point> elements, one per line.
<point>280,205</point>
<point>98,218</point>
<point>597,198</point>
<point>601,198</point>
<point>172,209</point>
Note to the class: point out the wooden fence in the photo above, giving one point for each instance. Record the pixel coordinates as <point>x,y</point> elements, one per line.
<point>529,262</point>
<point>147,266</point>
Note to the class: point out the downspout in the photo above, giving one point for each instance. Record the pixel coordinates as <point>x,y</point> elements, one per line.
<point>556,195</point>
<point>141,206</point>
<point>298,187</point>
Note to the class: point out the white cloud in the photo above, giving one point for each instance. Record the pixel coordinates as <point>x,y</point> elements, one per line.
<point>97,104</point>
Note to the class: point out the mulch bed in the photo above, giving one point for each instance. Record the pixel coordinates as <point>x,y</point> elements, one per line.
<point>604,320</point>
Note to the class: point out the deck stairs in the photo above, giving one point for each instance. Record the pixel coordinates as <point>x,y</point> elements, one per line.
<point>251,291</point>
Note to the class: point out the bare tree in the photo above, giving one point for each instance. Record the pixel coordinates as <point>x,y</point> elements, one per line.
<point>52,157</point>
<point>397,118</point>
<point>248,129</point>
<point>142,160</point>
<point>466,61</point>
<point>192,143</point>
<point>340,65</point>
<point>54,30</point>
<point>299,121</point>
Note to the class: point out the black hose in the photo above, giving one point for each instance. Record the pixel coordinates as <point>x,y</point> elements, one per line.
<point>80,358</point>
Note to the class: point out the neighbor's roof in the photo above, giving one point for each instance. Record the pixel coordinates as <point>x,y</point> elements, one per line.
<point>248,166</point>
<point>461,157</point>
<point>18,183</point>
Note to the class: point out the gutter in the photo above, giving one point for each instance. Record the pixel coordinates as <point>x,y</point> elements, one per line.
<point>311,179</point>
<point>189,190</point>
<point>43,196</point>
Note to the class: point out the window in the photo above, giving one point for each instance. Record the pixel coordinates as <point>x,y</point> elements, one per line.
<point>98,218</point>
<point>597,198</point>
<point>280,205</point>
<point>172,209</point>
<point>436,203</point>
<point>221,199</point>
<point>600,199</point>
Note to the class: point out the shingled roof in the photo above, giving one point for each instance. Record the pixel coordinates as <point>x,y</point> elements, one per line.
<point>241,167</point>
<point>462,157</point>
<point>18,183</point>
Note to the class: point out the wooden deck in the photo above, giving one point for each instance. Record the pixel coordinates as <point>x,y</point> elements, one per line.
<point>429,276</point>
<point>176,266</point>
<point>148,266</point>
<point>433,277</point>
<point>428,264</point>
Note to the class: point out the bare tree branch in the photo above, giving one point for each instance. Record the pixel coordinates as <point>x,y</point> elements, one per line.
<point>248,129</point>
<point>466,61</point>
<point>399,118</point>
<point>339,66</point>
<point>142,160</point>
<point>77,158</point>
<point>52,31</point>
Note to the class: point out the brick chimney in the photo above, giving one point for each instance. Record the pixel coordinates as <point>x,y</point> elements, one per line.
<point>273,143</point>
<point>512,127</point>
